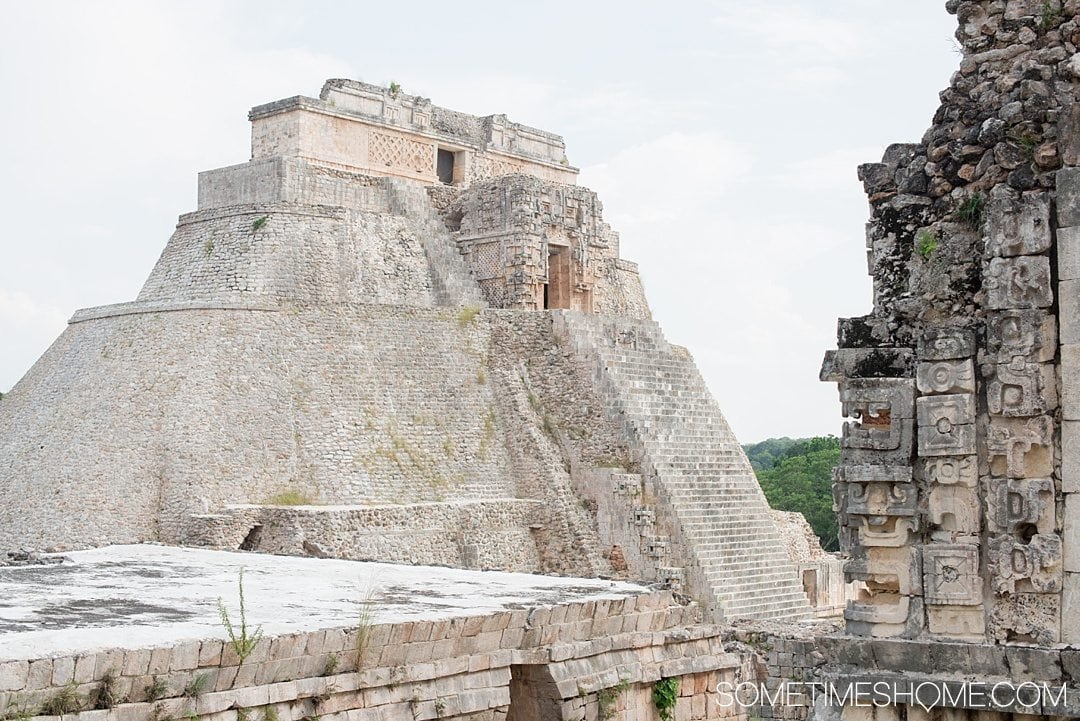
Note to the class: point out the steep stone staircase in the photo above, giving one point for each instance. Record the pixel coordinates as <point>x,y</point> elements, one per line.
<point>452,280</point>
<point>704,484</point>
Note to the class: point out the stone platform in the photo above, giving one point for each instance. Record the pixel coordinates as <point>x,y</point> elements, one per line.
<point>132,633</point>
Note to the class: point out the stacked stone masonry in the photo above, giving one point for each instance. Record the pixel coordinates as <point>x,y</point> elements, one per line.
<point>535,664</point>
<point>954,477</point>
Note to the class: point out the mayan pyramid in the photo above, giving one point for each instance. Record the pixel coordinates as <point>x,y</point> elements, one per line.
<point>400,333</point>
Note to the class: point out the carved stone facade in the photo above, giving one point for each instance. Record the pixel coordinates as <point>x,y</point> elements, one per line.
<point>954,378</point>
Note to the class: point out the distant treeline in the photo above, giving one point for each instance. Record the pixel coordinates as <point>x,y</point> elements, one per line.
<point>796,475</point>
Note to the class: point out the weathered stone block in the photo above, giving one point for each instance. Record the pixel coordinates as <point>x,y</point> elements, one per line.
<point>1069,311</point>
<point>947,470</point>
<point>1016,505</point>
<point>1070,630</point>
<point>946,425</point>
<point>951,574</point>
<point>1021,389</point>
<point>84,669</point>
<point>1030,334</point>
<point>959,622</point>
<point>1019,283</point>
<point>1068,195</point>
<point>954,508</point>
<point>63,670</point>
<point>185,656</point>
<point>1025,567</point>
<point>1070,456</point>
<point>39,675</point>
<point>937,344</point>
<point>1068,253</point>
<point>1018,226</point>
<point>1021,448</point>
<point>1070,382</point>
<point>946,376</point>
<point>13,675</point>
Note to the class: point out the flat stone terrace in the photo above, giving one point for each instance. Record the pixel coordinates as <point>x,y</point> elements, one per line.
<point>148,595</point>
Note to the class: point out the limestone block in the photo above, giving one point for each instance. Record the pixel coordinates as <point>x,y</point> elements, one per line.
<point>951,574</point>
<point>1071,532</point>
<point>185,656</point>
<point>950,470</point>
<point>946,425</point>
<point>63,670</point>
<point>137,662</point>
<point>1035,616</point>
<point>1019,447</point>
<point>1034,566</point>
<point>938,344</point>
<point>39,675</point>
<point>1069,311</point>
<point>1070,610</point>
<point>159,661</point>
<point>1068,253</point>
<point>1015,505</point>
<point>1021,389</point>
<point>1019,283</point>
<point>1070,456</point>
<point>946,376</point>
<point>1070,382</point>
<point>954,508</point>
<point>1018,226</point>
<point>959,622</point>
<point>13,675</point>
<point>1068,197</point>
<point>84,669</point>
<point>1031,334</point>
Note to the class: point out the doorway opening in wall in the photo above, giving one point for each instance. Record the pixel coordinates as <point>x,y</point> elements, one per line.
<point>557,290</point>
<point>445,167</point>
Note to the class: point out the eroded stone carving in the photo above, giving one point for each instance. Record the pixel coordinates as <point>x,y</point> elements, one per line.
<point>1032,566</point>
<point>954,509</point>
<point>947,376</point>
<point>946,425</point>
<point>962,470</point>
<point>1030,334</point>
<point>883,408</point>
<point>1015,440</point>
<point>946,344</point>
<point>890,605</point>
<point>1022,282</point>
<point>951,574</point>
<point>1018,506</point>
<point>1031,617</point>
<point>1018,389</point>
<point>1018,226</point>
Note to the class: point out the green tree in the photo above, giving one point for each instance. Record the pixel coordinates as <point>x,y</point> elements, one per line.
<point>799,478</point>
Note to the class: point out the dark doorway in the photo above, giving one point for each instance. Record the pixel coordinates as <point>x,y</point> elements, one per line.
<point>445,167</point>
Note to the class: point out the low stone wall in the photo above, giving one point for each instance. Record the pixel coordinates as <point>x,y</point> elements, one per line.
<point>463,534</point>
<point>595,659</point>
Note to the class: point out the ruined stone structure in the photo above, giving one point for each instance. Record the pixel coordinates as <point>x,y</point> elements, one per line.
<point>410,324</point>
<point>959,466</point>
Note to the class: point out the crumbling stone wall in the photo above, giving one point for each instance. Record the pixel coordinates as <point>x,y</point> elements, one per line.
<point>951,479</point>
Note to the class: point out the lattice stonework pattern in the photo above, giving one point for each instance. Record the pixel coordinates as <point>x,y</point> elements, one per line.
<point>487,260</point>
<point>399,152</point>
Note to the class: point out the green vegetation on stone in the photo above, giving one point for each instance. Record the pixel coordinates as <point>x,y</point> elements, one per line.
<point>926,242</point>
<point>796,475</point>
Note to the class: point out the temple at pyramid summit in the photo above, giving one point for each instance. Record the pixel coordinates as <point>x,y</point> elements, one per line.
<point>398,333</point>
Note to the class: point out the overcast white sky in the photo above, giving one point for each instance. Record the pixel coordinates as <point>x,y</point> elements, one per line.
<point>722,137</point>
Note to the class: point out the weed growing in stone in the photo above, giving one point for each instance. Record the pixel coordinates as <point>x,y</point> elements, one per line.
<point>16,712</point>
<point>270,714</point>
<point>926,242</point>
<point>363,626</point>
<point>107,696</point>
<point>209,247</point>
<point>197,685</point>
<point>971,210</point>
<point>66,700</point>
<point>244,642</point>
<point>1048,15</point>
<point>332,662</point>
<point>157,689</point>
<point>395,88</point>
<point>258,223</point>
<point>664,695</point>
<point>606,699</point>
<point>242,714</point>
